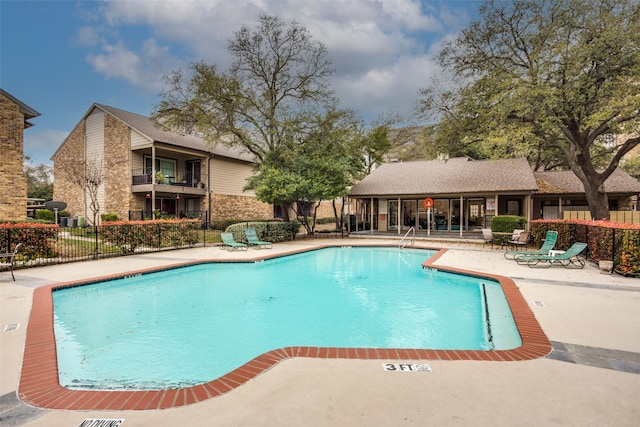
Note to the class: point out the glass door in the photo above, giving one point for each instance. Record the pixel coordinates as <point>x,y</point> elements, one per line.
<point>393,215</point>
<point>441,214</point>
<point>193,173</point>
<point>475,213</point>
<point>455,214</point>
<point>409,214</point>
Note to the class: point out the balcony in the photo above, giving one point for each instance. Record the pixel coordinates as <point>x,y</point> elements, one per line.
<point>170,181</point>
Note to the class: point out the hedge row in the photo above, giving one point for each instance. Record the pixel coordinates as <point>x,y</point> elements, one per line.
<point>606,240</point>
<point>270,231</point>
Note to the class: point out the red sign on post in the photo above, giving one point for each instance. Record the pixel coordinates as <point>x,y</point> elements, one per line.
<point>428,202</point>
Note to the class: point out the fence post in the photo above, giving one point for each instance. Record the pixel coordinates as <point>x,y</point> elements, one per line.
<point>95,229</point>
<point>613,249</point>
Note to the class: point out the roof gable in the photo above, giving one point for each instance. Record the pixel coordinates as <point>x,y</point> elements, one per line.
<point>566,182</point>
<point>457,175</point>
<point>28,112</point>
<point>147,127</point>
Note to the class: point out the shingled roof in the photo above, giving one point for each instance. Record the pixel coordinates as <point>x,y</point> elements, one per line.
<point>566,182</point>
<point>147,127</point>
<point>460,175</point>
<point>28,112</point>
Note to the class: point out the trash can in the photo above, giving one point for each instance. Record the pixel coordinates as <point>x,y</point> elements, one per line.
<point>80,221</point>
<point>64,222</point>
<point>71,222</point>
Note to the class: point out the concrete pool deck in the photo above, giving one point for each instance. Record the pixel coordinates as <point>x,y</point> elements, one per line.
<point>592,319</point>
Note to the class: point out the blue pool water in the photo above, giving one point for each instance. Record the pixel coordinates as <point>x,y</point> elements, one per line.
<point>190,325</point>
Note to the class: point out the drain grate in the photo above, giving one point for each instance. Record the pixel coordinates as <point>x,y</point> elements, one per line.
<point>11,327</point>
<point>538,303</point>
<point>101,422</point>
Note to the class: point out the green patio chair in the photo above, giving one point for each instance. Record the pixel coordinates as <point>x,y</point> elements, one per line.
<point>229,243</point>
<point>549,242</point>
<point>253,241</point>
<point>569,259</point>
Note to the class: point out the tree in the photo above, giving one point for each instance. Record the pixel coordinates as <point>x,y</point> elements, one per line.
<point>544,75</point>
<point>88,175</point>
<point>321,167</point>
<point>267,99</point>
<point>632,166</point>
<point>39,180</point>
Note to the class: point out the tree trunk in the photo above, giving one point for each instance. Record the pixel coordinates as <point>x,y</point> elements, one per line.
<point>285,211</point>
<point>598,202</point>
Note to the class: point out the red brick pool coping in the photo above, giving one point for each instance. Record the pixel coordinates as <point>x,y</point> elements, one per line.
<point>39,378</point>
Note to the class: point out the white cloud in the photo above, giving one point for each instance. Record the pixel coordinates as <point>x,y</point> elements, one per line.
<point>144,68</point>
<point>37,145</point>
<point>380,49</point>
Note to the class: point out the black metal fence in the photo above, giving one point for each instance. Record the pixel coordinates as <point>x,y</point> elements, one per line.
<point>143,215</point>
<point>50,244</point>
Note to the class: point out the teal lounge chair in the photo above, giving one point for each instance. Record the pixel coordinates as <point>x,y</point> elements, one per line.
<point>569,259</point>
<point>230,244</point>
<point>253,241</point>
<point>549,242</point>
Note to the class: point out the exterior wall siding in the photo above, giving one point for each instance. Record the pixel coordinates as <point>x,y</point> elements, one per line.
<point>95,156</point>
<point>229,177</point>
<point>138,141</point>
<point>13,183</point>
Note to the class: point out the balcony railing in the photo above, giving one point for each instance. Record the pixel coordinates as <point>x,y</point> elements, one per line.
<point>143,176</point>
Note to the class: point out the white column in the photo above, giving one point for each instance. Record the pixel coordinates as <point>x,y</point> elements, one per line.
<point>461,215</point>
<point>400,220</point>
<point>371,217</point>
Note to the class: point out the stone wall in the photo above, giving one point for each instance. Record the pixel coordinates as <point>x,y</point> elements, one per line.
<point>241,207</point>
<point>67,163</point>
<point>117,183</point>
<point>325,210</point>
<point>13,183</point>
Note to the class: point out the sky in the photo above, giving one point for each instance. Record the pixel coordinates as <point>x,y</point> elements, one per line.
<point>61,56</point>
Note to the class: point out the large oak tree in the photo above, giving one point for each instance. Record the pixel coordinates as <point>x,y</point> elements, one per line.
<point>556,78</point>
<point>269,97</point>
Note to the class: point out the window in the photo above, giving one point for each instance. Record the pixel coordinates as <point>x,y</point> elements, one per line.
<point>513,207</point>
<point>165,167</point>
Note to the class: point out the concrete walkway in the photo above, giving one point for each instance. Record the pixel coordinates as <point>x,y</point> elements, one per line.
<point>592,378</point>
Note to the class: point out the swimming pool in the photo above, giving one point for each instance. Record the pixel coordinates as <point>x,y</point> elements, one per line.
<point>187,326</point>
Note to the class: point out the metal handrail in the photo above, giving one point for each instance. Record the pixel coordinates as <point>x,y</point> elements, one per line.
<point>413,239</point>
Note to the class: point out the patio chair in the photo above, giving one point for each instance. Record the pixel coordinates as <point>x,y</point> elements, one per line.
<point>487,237</point>
<point>549,242</point>
<point>568,259</point>
<point>521,241</point>
<point>229,243</point>
<point>11,256</point>
<point>253,241</point>
<point>505,238</point>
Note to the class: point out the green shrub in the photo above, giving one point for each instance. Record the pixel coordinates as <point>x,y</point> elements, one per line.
<point>50,216</point>
<point>37,239</point>
<point>271,231</point>
<point>508,223</point>
<point>326,220</point>
<point>106,217</point>
<point>130,235</point>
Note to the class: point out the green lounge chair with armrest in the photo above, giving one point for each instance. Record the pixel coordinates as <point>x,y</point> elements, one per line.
<point>549,243</point>
<point>229,243</point>
<point>569,259</point>
<point>253,241</point>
